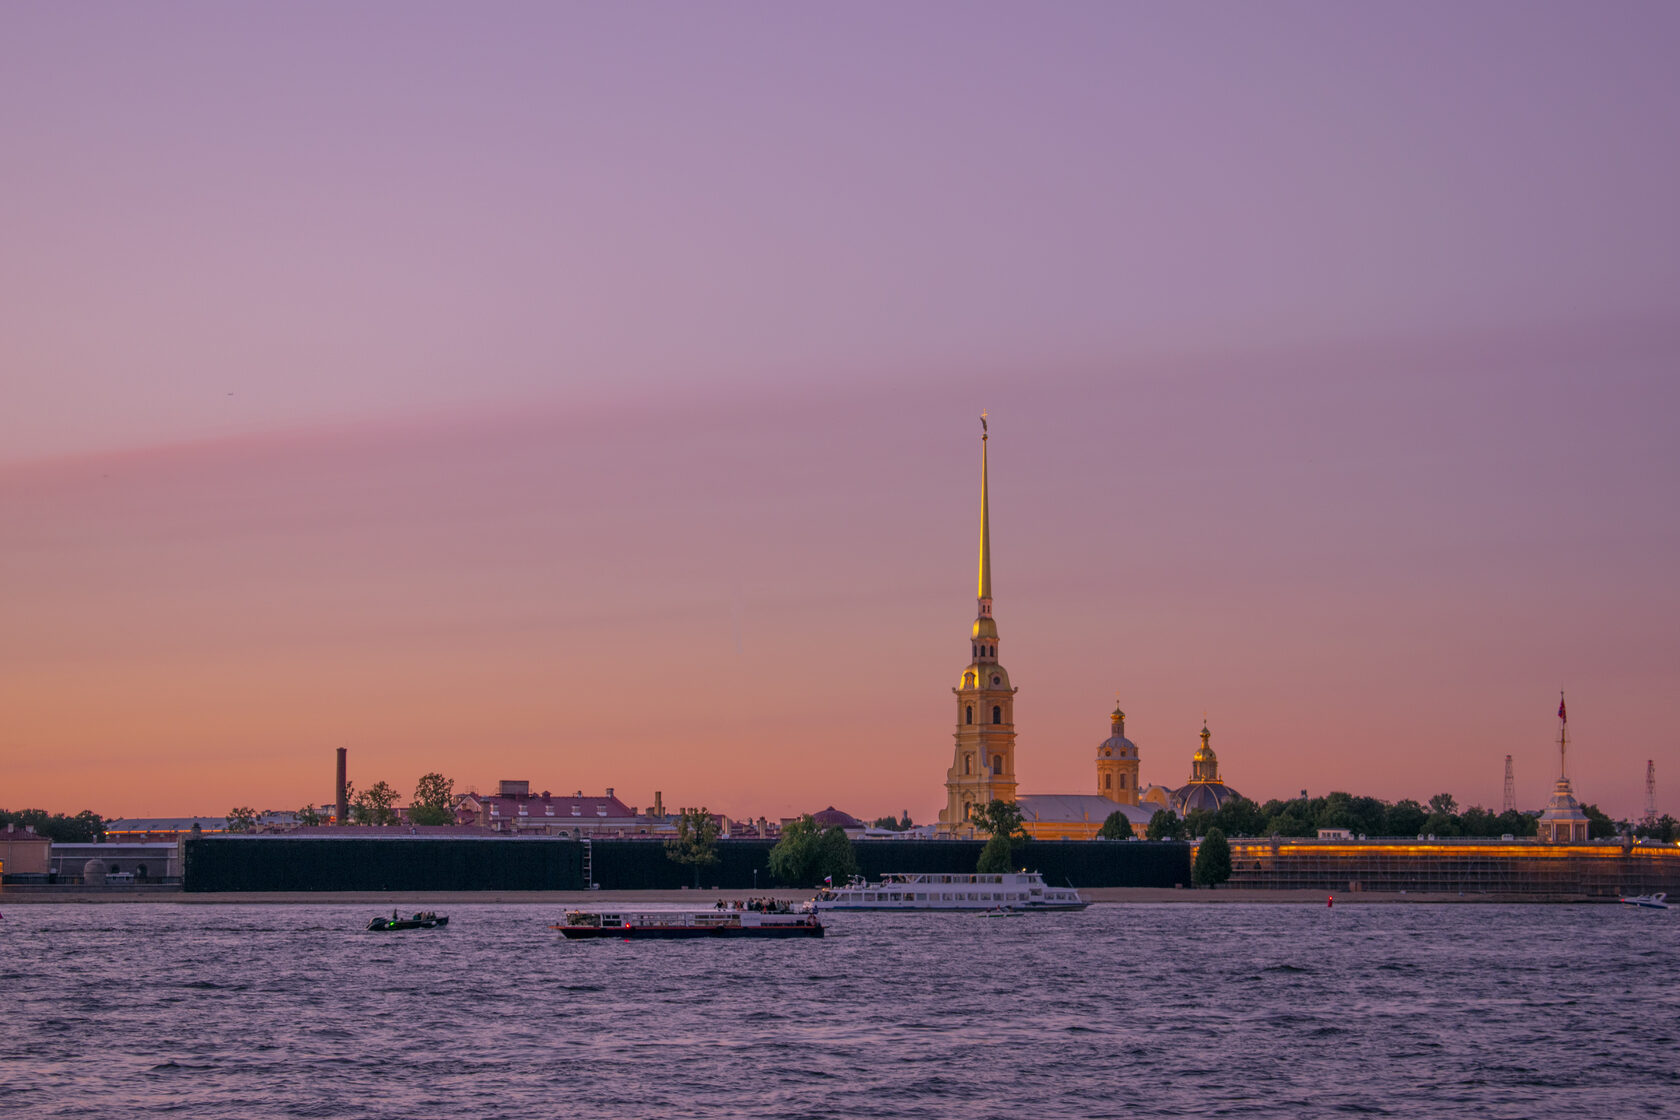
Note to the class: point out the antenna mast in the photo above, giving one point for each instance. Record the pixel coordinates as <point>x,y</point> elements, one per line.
<point>1510,805</point>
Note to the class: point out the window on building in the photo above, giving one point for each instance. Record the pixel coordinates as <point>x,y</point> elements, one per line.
<point>1108,781</point>
<point>971,713</point>
<point>997,714</point>
<point>968,764</point>
<point>997,764</point>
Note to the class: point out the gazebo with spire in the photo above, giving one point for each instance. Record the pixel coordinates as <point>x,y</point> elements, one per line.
<point>1562,821</point>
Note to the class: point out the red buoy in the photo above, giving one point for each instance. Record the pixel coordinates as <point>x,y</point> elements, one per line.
<point>1332,901</point>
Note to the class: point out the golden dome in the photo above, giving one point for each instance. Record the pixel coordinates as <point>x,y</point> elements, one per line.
<point>1204,764</point>
<point>985,628</point>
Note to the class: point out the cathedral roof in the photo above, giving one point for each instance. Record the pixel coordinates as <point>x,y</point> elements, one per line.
<point>1207,796</point>
<point>1062,808</point>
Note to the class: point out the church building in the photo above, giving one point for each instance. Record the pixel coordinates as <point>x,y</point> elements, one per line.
<point>983,758</point>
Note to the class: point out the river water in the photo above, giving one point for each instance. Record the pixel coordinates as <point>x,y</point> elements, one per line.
<point>1121,1011</point>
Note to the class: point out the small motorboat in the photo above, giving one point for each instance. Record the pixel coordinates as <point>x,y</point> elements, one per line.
<point>1658,901</point>
<point>426,920</point>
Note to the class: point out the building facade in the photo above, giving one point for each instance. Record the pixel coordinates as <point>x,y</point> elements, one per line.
<point>515,810</point>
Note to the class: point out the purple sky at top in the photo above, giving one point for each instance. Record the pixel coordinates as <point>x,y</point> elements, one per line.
<point>353,355</point>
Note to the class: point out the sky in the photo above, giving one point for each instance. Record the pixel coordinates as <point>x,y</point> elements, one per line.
<point>589,394</point>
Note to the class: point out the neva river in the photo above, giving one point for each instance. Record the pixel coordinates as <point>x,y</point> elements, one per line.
<point>1122,1011</point>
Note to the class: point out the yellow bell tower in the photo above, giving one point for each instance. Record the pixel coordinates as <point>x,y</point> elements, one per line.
<point>983,765</point>
<point>1117,763</point>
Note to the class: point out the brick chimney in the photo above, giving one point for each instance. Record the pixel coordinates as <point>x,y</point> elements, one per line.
<point>343,792</point>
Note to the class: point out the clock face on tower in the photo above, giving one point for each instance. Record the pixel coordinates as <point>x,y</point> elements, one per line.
<point>996,680</point>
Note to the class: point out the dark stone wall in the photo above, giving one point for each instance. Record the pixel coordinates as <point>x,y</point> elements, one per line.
<point>235,863</point>
<point>265,863</point>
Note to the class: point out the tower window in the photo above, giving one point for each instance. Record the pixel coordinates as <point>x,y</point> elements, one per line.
<point>997,714</point>
<point>997,764</point>
<point>1108,781</point>
<point>1122,781</point>
<point>968,764</point>
<point>970,717</point>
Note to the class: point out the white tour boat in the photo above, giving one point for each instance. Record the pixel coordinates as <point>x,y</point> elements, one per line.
<point>1023,890</point>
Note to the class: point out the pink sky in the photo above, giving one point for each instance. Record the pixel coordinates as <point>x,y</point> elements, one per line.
<point>588,395</point>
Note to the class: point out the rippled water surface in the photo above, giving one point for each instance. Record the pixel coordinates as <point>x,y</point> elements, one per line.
<point>1122,1011</point>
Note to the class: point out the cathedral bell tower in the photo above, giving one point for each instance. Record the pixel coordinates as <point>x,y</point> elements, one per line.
<point>1117,763</point>
<point>983,766</point>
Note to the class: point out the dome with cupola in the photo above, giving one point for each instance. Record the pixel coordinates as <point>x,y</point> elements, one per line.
<point>1206,791</point>
<point>1117,745</point>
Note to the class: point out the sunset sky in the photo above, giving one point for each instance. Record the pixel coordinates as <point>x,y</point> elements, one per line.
<point>589,394</point>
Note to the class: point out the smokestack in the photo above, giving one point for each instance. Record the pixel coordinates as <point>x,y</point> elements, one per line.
<point>343,797</point>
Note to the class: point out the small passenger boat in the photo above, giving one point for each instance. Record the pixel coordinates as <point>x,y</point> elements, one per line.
<point>426,920</point>
<point>670,925</point>
<point>1023,891</point>
<point>1658,901</point>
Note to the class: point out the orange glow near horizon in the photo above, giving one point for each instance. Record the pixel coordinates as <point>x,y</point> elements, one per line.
<point>761,609</point>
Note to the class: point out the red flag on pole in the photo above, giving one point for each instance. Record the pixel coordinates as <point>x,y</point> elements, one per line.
<point>1562,714</point>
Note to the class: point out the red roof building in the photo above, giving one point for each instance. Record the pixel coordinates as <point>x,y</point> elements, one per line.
<point>516,810</point>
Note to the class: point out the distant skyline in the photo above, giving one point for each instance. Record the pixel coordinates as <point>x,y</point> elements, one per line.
<point>590,395</point>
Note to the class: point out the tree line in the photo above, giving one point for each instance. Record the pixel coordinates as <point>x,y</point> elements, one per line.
<point>61,828</point>
<point>1363,816</point>
<point>433,803</point>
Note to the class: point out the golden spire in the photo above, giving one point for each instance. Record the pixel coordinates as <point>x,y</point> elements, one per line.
<point>985,525</point>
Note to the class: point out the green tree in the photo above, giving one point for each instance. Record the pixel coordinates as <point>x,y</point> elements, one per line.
<point>433,800</point>
<point>1239,817</point>
<point>806,853</point>
<point>1000,818</point>
<point>1478,821</point>
<point>1664,828</point>
<point>1117,826</point>
<point>1002,821</point>
<point>1405,818</point>
<point>696,840</point>
<point>893,824</point>
<point>1197,822</point>
<point>83,828</point>
<point>375,805</point>
<point>1443,803</point>
<point>309,817</point>
<point>1165,825</point>
<point>1213,860</point>
<point>1516,823</point>
<point>835,858</point>
<point>1599,826</point>
<point>794,858</point>
<point>997,856</point>
<point>1441,824</point>
<point>242,819</point>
